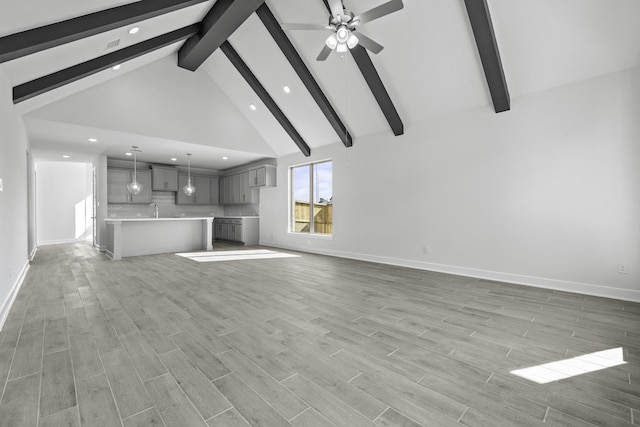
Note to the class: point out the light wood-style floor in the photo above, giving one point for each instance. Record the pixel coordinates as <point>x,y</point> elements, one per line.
<point>309,341</point>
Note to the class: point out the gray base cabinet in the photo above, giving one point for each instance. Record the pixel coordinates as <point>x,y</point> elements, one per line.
<point>237,229</point>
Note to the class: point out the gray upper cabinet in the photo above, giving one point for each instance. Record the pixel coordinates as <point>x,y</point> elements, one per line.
<point>181,198</point>
<point>204,193</point>
<point>235,189</point>
<point>165,178</point>
<point>241,188</point>
<point>203,190</point>
<point>264,176</point>
<point>117,180</point>
<point>244,193</point>
<point>214,190</point>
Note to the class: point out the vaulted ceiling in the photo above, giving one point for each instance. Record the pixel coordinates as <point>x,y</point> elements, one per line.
<point>432,65</point>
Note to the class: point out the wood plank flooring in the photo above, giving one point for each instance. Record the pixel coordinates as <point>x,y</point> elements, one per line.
<point>311,341</point>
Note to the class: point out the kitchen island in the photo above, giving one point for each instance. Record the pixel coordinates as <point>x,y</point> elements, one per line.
<point>147,236</point>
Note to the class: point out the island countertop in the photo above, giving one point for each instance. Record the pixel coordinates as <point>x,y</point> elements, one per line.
<point>141,218</point>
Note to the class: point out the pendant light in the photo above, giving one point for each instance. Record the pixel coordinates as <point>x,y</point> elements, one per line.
<point>134,186</point>
<point>189,189</point>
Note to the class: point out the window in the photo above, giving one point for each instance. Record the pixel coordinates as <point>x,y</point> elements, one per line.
<point>311,201</point>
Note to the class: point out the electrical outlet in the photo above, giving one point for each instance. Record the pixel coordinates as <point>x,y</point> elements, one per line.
<point>622,268</point>
<point>425,249</point>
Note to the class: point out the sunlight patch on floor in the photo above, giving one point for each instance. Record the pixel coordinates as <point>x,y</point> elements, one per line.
<point>554,371</point>
<point>241,255</point>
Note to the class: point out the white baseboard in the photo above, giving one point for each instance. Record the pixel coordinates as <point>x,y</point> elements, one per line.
<point>8,302</point>
<point>516,279</point>
<point>32,255</point>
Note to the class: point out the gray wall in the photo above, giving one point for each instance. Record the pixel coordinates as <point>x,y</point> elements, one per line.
<point>547,194</point>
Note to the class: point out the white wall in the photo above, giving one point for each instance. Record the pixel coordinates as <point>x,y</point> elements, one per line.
<point>64,198</point>
<point>547,194</point>
<point>14,255</point>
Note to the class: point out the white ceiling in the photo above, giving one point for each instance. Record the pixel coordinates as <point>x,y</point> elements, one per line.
<point>430,66</point>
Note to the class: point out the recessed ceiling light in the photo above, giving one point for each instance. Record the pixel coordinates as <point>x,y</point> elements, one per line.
<point>116,67</point>
<point>134,30</point>
<point>128,154</point>
<point>93,140</point>
<point>286,89</point>
<point>173,159</point>
<point>225,158</point>
<point>253,107</point>
<point>66,156</point>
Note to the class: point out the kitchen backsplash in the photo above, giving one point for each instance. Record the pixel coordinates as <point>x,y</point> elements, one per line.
<point>167,207</point>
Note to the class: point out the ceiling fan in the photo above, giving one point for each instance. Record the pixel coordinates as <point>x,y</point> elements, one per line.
<point>344,24</point>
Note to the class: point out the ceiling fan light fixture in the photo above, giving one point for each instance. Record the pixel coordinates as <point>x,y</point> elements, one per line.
<point>332,41</point>
<point>342,35</point>
<point>352,41</point>
<point>342,48</point>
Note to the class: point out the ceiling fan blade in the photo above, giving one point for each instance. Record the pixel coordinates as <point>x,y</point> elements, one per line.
<point>336,7</point>
<point>324,53</point>
<point>369,44</point>
<point>303,27</point>
<point>379,11</point>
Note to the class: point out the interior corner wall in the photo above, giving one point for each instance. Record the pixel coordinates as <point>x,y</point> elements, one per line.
<point>14,144</point>
<point>63,198</point>
<point>547,194</point>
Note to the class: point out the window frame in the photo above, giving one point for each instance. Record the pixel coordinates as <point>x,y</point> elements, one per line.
<point>291,200</point>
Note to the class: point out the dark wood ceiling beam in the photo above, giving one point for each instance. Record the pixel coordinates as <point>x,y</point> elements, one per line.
<point>480,19</point>
<point>264,96</point>
<point>220,22</point>
<point>68,75</point>
<point>285,45</point>
<point>37,39</point>
<point>371,76</point>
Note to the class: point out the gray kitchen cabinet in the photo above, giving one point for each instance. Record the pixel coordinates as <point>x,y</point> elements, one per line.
<point>223,188</point>
<point>264,176</point>
<point>181,198</point>
<point>213,192</point>
<point>203,195</point>
<point>203,190</point>
<point>244,192</point>
<point>235,189</point>
<point>117,180</point>
<point>243,230</point>
<point>164,178</point>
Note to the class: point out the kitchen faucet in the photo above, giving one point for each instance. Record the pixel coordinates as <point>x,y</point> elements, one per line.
<point>155,210</point>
